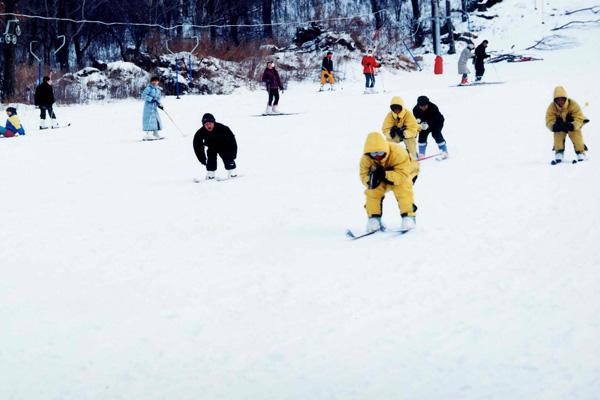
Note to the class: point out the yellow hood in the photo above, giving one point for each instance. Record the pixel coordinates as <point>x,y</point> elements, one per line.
<point>559,91</point>
<point>397,100</point>
<point>376,142</point>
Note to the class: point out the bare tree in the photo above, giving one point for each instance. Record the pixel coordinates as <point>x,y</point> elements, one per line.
<point>417,26</point>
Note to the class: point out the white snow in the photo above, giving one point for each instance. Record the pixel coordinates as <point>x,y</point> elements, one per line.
<point>123,279</point>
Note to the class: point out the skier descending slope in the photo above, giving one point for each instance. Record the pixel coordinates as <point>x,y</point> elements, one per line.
<point>480,56</point>
<point>327,71</point>
<point>385,167</point>
<point>273,83</point>
<point>564,117</point>
<point>150,119</point>
<point>219,140</point>
<point>430,120</point>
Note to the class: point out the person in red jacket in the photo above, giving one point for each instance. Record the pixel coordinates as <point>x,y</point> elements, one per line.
<point>369,64</point>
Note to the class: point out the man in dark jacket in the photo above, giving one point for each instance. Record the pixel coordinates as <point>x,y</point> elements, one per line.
<point>480,56</point>
<point>44,99</point>
<point>219,140</point>
<point>273,83</point>
<point>431,120</point>
<point>327,71</point>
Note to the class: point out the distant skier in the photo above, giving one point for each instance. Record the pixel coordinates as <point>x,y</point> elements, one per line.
<point>385,167</point>
<point>44,99</point>
<point>564,117</point>
<point>13,124</point>
<point>150,119</point>
<point>327,71</point>
<point>369,64</point>
<point>480,56</point>
<point>463,69</point>
<point>219,140</point>
<point>430,120</point>
<point>273,84</point>
<point>400,125</point>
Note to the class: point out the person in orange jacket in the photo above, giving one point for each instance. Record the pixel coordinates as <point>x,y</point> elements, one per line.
<point>369,64</point>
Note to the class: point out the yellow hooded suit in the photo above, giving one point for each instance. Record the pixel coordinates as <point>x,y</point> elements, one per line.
<point>570,112</point>
<point>399,172</point>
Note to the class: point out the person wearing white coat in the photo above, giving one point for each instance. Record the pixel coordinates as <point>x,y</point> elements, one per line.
<point>465,56</point>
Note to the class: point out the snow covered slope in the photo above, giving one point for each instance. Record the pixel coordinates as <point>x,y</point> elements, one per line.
<point>123,279</point>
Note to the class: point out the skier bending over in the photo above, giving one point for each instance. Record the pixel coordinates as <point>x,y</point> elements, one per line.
<point>273,83</point>
<point>151,120</point>
<point>385,167</point>
<point>219,140</point>
<point>400,125</point>
<point>564,117</point>
<point>44,99</point>
<point>465,56</point>
<point>13,124</point>
<point>430,120</point>
<point>480,56</point>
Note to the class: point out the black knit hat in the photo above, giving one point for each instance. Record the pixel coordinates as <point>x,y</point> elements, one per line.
<point>422,100</point>
<point>12,110</point>
<point>208,118</point>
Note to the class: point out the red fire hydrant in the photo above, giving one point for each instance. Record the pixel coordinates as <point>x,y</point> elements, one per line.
<point>438,68</point>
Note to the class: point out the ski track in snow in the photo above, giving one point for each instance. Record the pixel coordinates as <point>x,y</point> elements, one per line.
<point>122,279</point>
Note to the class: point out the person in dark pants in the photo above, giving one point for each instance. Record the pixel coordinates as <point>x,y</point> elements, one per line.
<point>431,121</point>
<point>44,99</point>
<point>273,82</point>
<point>480,56</point>
<point>219,140</point>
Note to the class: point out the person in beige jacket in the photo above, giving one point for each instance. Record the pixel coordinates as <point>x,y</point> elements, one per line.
<point>565,118</point>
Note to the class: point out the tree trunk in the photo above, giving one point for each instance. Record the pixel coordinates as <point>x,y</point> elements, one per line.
<point>419,37</point>
<point>234,33</point>
<point>376,9</point>
<point>9,83</point>
<point>267,9</point>
<point>463,3</point>
<point>450,27</point>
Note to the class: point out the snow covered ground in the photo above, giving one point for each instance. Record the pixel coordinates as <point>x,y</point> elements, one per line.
<point>123,279</point>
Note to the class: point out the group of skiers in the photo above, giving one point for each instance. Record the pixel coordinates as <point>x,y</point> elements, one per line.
<point>478,60</point>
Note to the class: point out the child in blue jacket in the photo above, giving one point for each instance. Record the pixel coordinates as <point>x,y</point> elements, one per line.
<point>13,124</point>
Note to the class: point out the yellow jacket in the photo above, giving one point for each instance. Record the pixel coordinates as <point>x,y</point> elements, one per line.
<point>405,119</point>
<point>397,163</point>
<point>570,108</point>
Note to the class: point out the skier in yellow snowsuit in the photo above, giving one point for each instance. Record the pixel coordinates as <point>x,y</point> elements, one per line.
<point>400,125</point>
<point>385,167</point>
<point>564,117</point>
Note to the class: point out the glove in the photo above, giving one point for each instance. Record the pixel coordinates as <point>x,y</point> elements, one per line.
<point>376,176</point>
<point>558,125</point>
<point>568,127</point>
<point>397,132</point>
<point>161,106</point>
<point>424,126</point>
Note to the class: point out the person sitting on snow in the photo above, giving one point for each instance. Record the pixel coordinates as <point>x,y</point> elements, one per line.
<point>219,140</point>
<point>13,124</point>
<point>564,117</point>
<point>430,120</point>
<point>327,71</point>
<point>385,167</point>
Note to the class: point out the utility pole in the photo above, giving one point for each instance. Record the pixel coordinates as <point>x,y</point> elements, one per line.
<point>450,27</point>
<point>435,17</point>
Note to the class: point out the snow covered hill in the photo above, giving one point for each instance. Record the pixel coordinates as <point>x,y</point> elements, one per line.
<point>123,279</point>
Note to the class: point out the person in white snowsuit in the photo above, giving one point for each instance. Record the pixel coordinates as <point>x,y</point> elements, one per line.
<point>151,120</point>
<point>465,56</point>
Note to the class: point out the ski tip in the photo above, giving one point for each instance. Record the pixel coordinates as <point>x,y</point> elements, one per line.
<point>350,234</point>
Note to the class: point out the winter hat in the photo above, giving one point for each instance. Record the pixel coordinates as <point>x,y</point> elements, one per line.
<point>208,118</point>
<point>422,100</point>
<point>12,110</point>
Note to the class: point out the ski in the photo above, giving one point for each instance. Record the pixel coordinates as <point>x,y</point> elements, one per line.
<point>152,140</point>
<point>354,236</point>
<point>275,115</point>
<point>55,127</point>
<point>217,179</point>
<point>477,84</point>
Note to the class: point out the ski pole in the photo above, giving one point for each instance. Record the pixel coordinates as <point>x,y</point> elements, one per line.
<point>431,156</point>
<point>174,124</point>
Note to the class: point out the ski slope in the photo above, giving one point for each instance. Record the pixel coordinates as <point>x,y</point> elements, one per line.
<point>124,279</point>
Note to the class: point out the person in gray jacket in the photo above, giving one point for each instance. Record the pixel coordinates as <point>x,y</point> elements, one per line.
<point>465,56</point>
